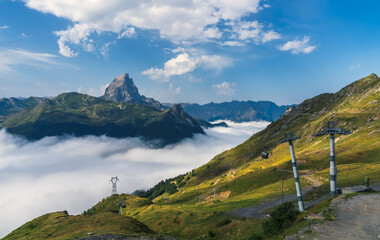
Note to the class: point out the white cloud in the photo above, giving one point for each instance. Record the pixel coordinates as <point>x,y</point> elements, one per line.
<point>215,62</point>
<point>227,9</point>
<point>89,46</point>
<point>269,36</point>
<point>253,31</point>
<point>55,174</point>
<point>194,79</point>
<point>178,21</point>
<point>298,46</point>
<point>4,27</point>
<point>179,65</point>
<point>77,34</point>
<point>186,63</point>
<point>352,67</point>
<point>128,33</point>
<point>212,32</point>
<point>232,43</point>
<point>13,57</point>
<point>224,88</point>
<point>24,35</point>
<point>106,47</point>
<point>93,91</point>
<point>174,90</point>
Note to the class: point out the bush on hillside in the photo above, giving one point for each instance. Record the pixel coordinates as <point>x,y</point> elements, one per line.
<point>223,222</point>
<point>211,234</point>
<point>280,217</point>
<point>255,237</point>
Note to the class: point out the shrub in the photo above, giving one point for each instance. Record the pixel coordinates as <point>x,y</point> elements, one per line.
<point>224,222</point>
<point>280,217</point>
<point>256,237</point>
<point>211,234</point>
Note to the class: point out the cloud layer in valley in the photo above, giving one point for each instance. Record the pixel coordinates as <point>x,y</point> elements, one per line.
<point>72,174</point>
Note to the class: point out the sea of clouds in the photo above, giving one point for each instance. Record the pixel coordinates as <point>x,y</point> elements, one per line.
<point>71,173</point>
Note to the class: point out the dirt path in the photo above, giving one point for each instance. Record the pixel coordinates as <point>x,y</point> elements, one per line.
<point>357,218</point>
<point>314,181</point>
<point>257,211</point>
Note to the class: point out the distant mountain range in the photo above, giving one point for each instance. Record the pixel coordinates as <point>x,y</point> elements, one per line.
<point>123,112</point>
<point>237,111</point>
<point>9,106</point>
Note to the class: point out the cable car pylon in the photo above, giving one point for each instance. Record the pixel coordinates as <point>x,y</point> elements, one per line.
<point>331,129</point>
<point>289,137</point>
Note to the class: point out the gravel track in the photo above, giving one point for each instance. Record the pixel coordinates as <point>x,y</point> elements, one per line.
<point>357,218</point>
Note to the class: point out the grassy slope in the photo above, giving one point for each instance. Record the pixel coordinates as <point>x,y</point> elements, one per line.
<point>60,225</point>
<point>9,106</point>
<point>242,178</point>
<point>251,179</point>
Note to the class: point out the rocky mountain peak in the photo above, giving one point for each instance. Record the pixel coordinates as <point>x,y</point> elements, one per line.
<point>122,89</point>
<point>177,109</point>
<point>177,112</point>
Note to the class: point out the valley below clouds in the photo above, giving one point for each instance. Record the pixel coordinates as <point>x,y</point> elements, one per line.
<point>71,173</point>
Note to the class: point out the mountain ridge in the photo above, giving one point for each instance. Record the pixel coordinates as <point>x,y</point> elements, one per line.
<point>9,106</point>
<point>81,114</point>
<point>237,111</point>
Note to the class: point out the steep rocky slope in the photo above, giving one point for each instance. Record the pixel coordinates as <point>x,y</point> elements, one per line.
<point>123,89</point>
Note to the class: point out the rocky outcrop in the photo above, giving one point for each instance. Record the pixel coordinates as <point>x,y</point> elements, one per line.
<point>123,89</point>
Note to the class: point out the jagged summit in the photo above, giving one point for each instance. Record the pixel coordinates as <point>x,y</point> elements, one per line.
<point>177,109</point>
<point>123,89</point>
<point>176,112</point>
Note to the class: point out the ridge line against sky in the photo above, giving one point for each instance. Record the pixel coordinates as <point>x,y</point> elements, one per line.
<point>187,51</point>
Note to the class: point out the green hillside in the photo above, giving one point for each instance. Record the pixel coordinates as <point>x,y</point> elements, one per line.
<point>79,114</point>
<point>60,225</point>
<point>9,106</point>
<point>241,178</point>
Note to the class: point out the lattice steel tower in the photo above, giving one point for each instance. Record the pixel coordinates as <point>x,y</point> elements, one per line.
<point>290,138</point>
<point>331,129</point>
<point>114,180</point>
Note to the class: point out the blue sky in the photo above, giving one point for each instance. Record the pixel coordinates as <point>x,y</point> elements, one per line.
<point>188,51</point>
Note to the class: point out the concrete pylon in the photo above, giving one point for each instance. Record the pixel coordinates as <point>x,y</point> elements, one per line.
<point>296,178</point>
<point>331,129</point>
<point>332,166</point>
<point>290,138</point>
